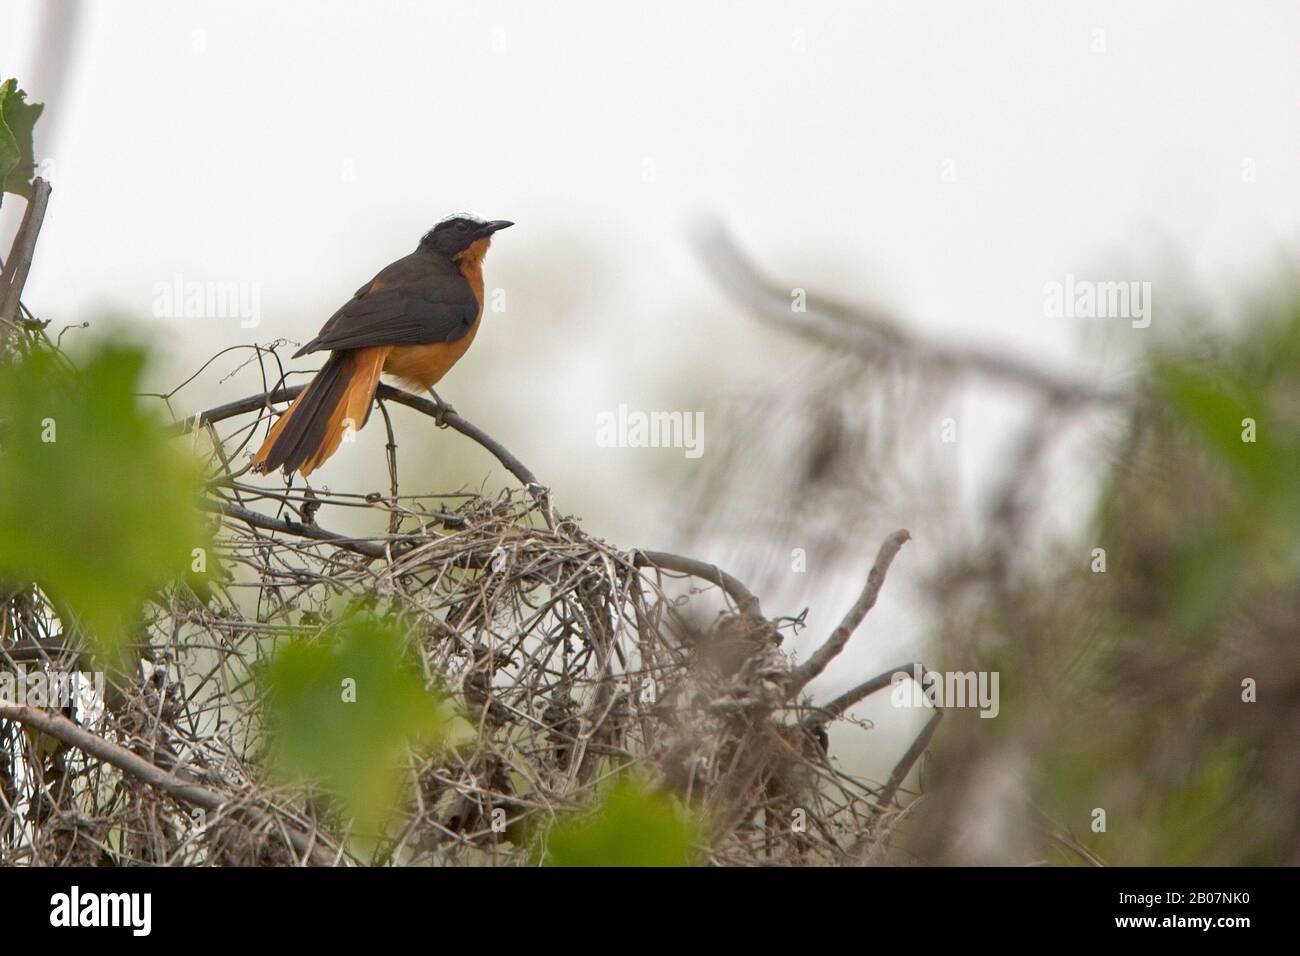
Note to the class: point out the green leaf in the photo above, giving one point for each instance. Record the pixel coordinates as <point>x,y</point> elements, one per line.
<point>1217,405</point>
<point>96,504</point>
<point>631,827</point>
<point>9,152</point>
<point>17,153</point>
<point>348,712</point>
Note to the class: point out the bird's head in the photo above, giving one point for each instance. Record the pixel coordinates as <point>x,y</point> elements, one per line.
<point>462,235</point>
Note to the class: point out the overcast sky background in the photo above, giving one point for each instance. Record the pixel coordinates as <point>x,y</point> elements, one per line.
<point>301,146</point>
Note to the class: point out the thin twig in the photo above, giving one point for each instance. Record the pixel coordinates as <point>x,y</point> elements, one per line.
<point>666,561</point>
<point>834,644</point>
<point>825,713</point>
<point>909,759</point>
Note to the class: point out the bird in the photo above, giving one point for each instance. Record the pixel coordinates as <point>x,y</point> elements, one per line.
<point>413,320</point>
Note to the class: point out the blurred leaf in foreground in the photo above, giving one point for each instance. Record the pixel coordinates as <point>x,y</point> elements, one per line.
<point>1244,409</point>
<point>97,506</point>
<point>17,119</point>
<point>347,713</point>
<point>632,826</point>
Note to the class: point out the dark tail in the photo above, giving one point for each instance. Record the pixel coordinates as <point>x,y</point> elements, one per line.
<point>312,428</point>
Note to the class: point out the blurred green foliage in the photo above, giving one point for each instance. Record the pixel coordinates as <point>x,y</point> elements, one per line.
<point>347,711</point>
<point>1201,520</point>
<point>1243,410</point>
<point>17,119</point>
<point>631,826</point>
<point>97,506</point>
<point>1163,690</point>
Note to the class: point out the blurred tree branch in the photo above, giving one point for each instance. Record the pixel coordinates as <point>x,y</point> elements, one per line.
<point>873,334</point>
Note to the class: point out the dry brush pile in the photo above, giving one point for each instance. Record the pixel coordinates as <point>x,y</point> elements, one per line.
<point>573,661</point>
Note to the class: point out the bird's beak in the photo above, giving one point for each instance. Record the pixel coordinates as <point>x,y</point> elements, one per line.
<point>494,226</point>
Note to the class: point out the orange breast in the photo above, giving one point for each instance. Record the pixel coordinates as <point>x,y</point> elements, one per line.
<point>423,366</point>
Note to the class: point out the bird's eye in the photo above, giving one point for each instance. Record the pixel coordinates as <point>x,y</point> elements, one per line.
<point>462,226</point>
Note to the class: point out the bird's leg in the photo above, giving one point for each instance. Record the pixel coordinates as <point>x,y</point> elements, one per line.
<point>444,409</point>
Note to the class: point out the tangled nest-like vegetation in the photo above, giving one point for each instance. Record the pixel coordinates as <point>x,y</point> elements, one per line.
<point>571,660</point>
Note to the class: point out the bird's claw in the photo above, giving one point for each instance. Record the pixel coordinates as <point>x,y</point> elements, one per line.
<point>444,409</point>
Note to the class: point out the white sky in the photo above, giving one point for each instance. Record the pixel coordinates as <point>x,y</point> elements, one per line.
<point>304,145</point>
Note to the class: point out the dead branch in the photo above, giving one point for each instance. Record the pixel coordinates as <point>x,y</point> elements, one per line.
<point>836,709</point>
<point>59,727</point>
<point>908,760</point>
<point>744,598</point>
<point>14,277</point>
<point>820,658</point>
<point>299,528</point>
<point>450,418</point>
<point>873,334</point>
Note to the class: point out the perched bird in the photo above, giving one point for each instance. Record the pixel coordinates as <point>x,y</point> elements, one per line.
<point>414,320</point>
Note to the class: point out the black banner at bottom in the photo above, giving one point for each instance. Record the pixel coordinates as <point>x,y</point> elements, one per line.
<point>513,905</point>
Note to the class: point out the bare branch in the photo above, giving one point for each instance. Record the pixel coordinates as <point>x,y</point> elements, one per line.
<point>744,598</point>
<point>836,708</point>
<point>834,644</point>
<point>399,396</point>
<point>20,257</point>
<point>29,649</point>
<point>873,334</point>
<point>59,727</point>
<point>301,529</point>
<point>909,759</point>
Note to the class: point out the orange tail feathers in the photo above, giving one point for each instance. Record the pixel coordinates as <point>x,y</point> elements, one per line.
<point>313,427</point>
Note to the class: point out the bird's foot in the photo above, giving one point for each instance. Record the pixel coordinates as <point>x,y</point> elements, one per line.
<point>444,409</point>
